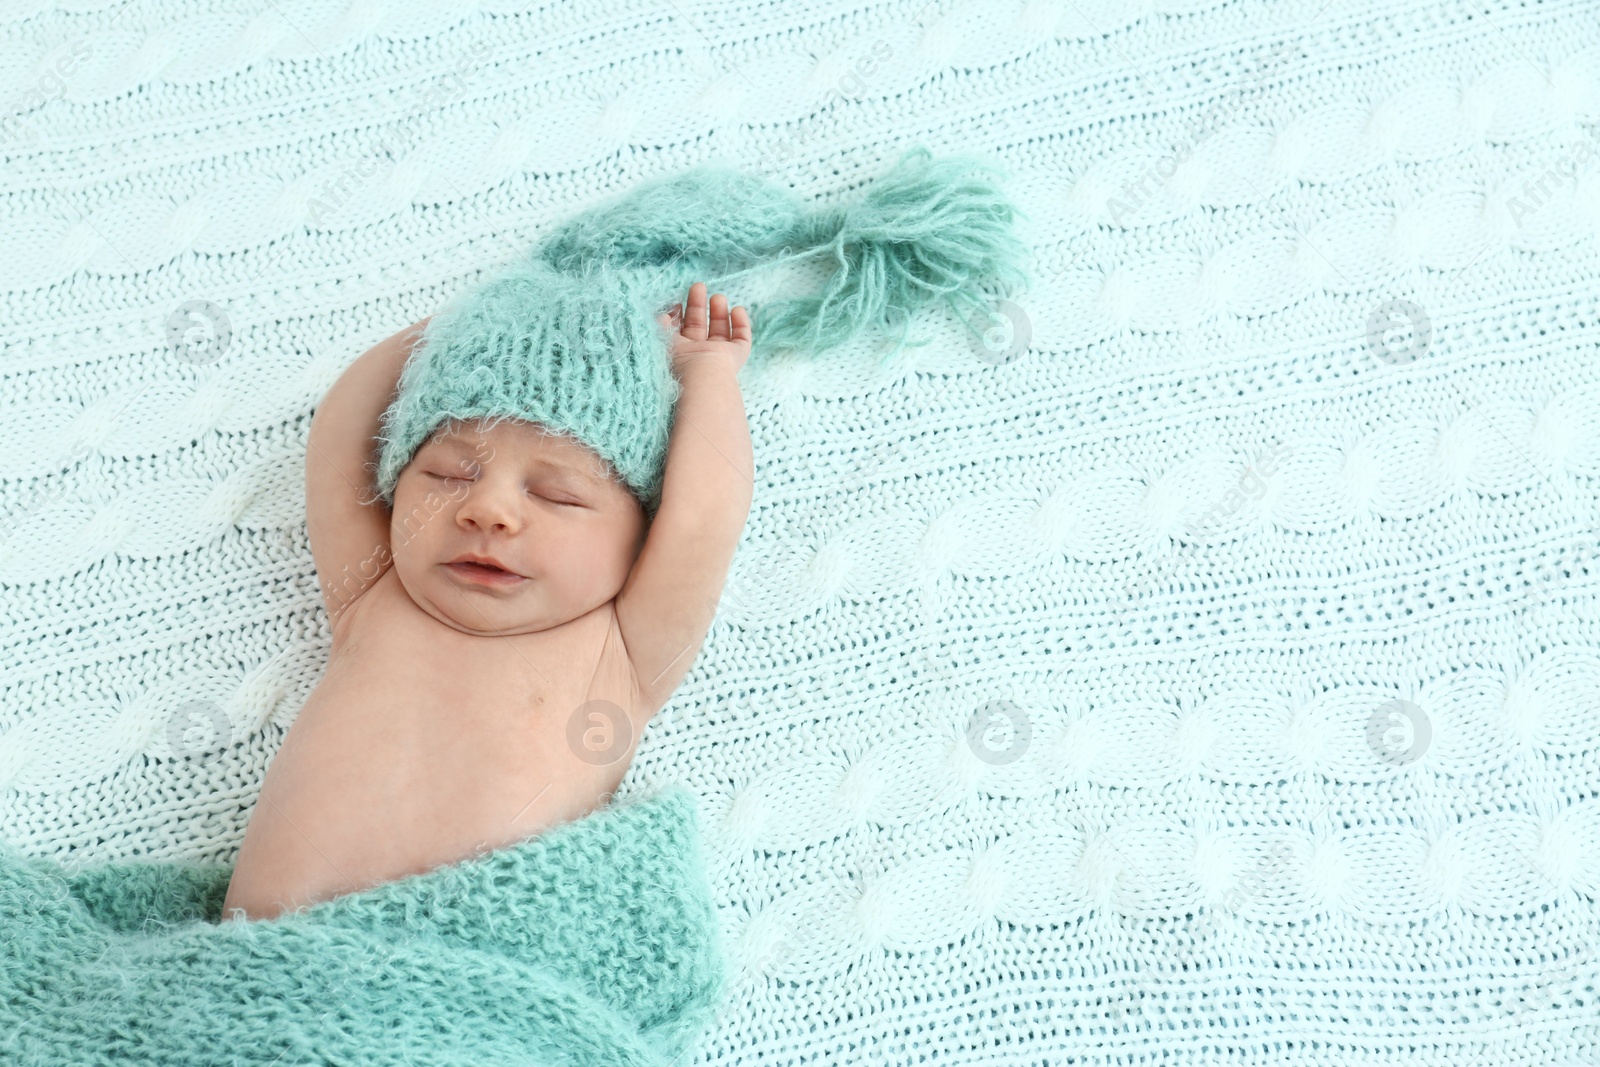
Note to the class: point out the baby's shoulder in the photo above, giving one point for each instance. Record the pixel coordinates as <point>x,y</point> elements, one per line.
<point>377,602</point>
<point>616,671</point>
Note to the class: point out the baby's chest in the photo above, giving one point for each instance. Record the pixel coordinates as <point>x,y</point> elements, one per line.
<point>380,779</point>
<point>412,754</point>
<point>467,723</point>
<point>496,740</point>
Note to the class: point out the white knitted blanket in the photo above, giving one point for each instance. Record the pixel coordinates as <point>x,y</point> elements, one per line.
<point>1200,666</point>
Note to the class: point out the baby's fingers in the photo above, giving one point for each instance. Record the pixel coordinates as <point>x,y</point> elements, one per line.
<point>740,319</point>
<point>719,318</point>
<point>696,315</point>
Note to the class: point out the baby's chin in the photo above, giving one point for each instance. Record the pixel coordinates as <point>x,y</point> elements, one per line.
<point>482,614</point>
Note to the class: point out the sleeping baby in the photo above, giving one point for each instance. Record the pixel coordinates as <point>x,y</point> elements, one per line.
<point>563,471</point>
<point>503,634</point>
<point>522,511</point>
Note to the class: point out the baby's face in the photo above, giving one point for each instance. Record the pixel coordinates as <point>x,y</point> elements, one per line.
<point>560,533</point>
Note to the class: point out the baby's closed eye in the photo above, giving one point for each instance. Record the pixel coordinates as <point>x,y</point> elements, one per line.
<point>551,495</point>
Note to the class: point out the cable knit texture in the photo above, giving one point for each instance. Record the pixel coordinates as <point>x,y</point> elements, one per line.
<point>594,943</point>
<point>1209,679</point>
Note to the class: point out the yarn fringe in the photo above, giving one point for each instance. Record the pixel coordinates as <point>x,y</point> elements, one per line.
<point>931,230</point>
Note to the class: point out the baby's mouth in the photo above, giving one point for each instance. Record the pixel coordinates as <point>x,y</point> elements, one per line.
<point>483,573</point>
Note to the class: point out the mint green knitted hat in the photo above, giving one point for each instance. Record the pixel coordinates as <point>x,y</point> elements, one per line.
<point>566,336</point>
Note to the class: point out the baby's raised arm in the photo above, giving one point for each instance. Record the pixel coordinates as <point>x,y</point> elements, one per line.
<point>667,604</point>
<point>347,521</point>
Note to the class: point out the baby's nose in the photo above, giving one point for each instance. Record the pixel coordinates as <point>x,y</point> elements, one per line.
<point>488,508</point>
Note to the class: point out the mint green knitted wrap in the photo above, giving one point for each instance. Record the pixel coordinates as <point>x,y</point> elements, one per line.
<point>566,336</point>
<point>593,944</point>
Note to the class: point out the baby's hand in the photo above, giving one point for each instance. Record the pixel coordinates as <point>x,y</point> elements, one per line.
<point>707,334</point>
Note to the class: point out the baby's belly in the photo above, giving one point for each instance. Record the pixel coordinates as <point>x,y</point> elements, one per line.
<point>373,784</point>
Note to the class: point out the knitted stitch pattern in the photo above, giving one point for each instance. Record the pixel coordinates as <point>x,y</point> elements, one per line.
<point>1202,674</point>
<point>594,943</point>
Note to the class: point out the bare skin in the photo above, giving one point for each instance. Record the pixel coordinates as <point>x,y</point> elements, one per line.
<point>470,705</point>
